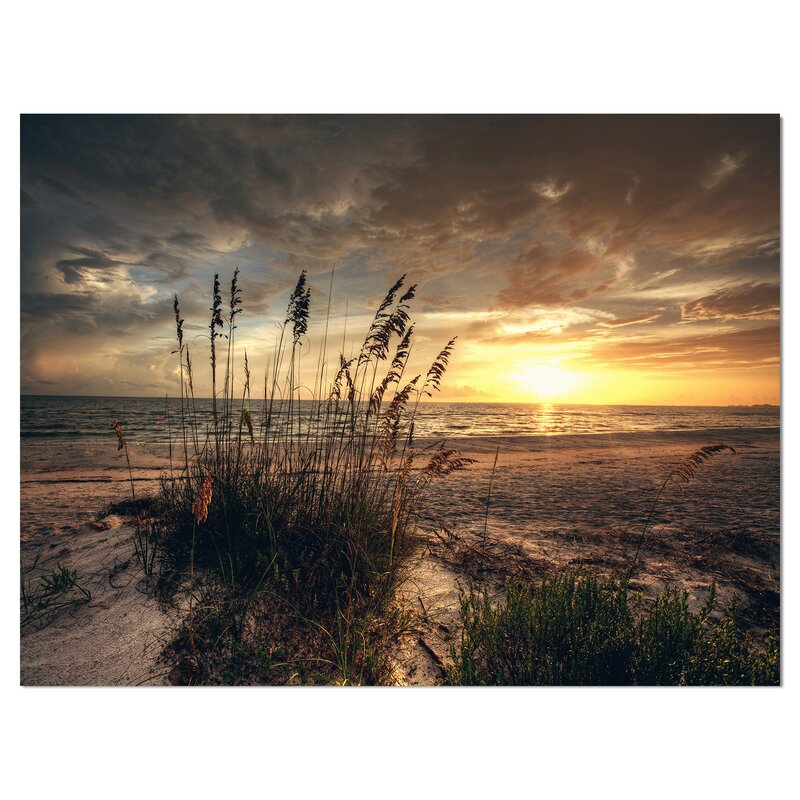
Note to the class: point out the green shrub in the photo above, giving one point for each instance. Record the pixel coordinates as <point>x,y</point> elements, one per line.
<point>579,631</point>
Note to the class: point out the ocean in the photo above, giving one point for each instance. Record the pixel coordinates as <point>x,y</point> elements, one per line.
<point>147,419</point>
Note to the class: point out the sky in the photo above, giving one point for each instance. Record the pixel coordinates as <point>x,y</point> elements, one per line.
<point>579,259</point>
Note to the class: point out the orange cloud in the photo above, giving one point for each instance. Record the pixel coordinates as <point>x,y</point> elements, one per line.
<point>621,323</point>
<point>748,301</point>
<point>722,350</point>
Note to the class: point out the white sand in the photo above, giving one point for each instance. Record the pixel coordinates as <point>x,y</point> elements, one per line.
<point>116,638</point>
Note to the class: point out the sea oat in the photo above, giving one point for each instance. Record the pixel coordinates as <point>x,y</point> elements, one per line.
<point>236,298</point>
<point>120,436</point>
<point>202,501</point>
<point>395,372</point>
<point>178,322</point>
<point>248,421</point>
<point>437,370</point>
<point>684,471</point>
<point>385,323</point>
<point>297,311</point>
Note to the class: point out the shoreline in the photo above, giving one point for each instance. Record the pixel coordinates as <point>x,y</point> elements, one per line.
<point>53,471</point>
<point>47,440</point>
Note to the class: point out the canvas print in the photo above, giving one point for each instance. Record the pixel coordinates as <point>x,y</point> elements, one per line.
<point>400,400</point>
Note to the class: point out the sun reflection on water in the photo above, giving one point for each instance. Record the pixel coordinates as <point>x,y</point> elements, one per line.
<point>545,419</point>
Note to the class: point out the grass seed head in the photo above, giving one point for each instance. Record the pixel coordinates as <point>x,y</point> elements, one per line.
<point>120,435</point>
<point>202,501</point>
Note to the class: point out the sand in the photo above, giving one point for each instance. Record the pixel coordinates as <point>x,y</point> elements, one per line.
<point>117,637</point>
<point>582,502</point>
<point>565,501</point>
<point>114,639</point>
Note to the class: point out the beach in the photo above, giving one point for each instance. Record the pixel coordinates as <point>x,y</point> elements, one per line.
<point>556,502</point>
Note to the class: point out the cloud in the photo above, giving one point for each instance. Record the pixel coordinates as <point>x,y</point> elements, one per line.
<point>550,189</point>
<point>487,213</point>
<point>621,323</point>
<point>755,347</point>
<point>26,201</point>
<point>748,301</point>
<point>60,187</point>
<point>723,166</point>
<point>429,191</point>
<point>461,392</point>
<point>89,264</point>
<point>547,278</point>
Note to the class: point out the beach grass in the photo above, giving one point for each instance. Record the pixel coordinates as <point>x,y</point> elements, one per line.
<point>574,629</point>
<point>297,522</point>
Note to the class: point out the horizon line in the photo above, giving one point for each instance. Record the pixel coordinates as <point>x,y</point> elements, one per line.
<point>431,400</point>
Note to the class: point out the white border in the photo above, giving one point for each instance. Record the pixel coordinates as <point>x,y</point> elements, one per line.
<point>396,57</point>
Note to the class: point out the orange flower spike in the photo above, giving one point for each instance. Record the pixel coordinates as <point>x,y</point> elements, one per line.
<point>202,501</point>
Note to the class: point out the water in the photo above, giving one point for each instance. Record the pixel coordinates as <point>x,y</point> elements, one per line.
<point>149,420</point>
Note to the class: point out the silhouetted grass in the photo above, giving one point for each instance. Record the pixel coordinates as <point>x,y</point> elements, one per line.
<point>295,524</point>
<point>576,630</point>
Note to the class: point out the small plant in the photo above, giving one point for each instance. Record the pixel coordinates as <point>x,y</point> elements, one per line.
<point>53,592</point>
<point>683,472</point>
<point>59,581</point>
<point>577,630</point>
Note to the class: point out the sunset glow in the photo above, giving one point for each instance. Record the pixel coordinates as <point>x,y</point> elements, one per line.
<point>612,260</point>
<point>549,381</point>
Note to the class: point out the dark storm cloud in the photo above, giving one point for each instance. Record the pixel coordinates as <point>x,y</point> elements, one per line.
<point>617,182</point>
<point>80,312</point>
<point>26,201</point>
<point>188,239</point>
<point>60,187</point>
<point>433,185</point>
<point>89,262</point>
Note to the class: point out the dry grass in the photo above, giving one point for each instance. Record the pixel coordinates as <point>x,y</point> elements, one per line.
<point>683,472</point>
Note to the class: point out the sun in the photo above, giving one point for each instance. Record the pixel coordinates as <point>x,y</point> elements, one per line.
<point>549,381</point>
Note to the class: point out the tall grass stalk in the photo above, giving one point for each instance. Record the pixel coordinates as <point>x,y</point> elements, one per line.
<point>489,494</point>
<point>682,472</point>
<point>310,500</point>
<point>143,543</point>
